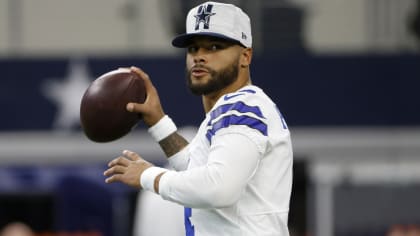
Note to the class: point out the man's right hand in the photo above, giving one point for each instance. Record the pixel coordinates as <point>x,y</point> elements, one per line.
<point>151,110</point>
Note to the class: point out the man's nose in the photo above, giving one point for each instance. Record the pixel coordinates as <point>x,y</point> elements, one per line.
<point>200,56</point>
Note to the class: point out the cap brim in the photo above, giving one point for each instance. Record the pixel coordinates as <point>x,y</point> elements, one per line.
<point>183,40</point>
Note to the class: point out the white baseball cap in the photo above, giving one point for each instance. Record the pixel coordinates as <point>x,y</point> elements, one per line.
<point>219,20</point>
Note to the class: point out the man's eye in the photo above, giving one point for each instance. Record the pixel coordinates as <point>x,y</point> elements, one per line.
<point>216,47</point>
<point>192,49</point>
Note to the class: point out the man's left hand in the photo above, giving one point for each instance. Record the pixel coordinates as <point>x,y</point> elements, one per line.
<point>126,169</point>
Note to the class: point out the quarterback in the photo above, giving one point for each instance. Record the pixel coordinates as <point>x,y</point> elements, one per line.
<point>235,176</point>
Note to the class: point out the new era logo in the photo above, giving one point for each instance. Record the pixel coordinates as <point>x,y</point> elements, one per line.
<point>203,16</point>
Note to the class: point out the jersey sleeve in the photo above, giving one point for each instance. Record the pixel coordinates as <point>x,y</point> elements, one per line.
<point>233,160</point>
<point>179,161</point>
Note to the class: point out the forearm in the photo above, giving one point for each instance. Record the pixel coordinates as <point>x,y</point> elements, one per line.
<point>165,133</point>
<point>173,144</point>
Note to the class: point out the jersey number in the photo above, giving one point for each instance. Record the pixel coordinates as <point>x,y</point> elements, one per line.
<point>189,228</point>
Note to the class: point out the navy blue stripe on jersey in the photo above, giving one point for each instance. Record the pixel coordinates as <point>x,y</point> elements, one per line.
<point>238,106</point>
<point>229,120</point>
<point>247,91</point>
<point>189,228</point>
<point>239,93</point>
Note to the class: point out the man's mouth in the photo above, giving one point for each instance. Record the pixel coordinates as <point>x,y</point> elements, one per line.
<point>199,71</point>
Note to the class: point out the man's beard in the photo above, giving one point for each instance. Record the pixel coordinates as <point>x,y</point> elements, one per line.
<point>218,79</point>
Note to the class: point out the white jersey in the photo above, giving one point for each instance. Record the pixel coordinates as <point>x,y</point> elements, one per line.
<point>235,177</point>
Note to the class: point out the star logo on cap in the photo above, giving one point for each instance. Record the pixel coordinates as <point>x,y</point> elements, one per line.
<point>203,16</point>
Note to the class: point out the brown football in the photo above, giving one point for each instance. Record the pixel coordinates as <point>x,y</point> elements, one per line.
<point>103,113</point>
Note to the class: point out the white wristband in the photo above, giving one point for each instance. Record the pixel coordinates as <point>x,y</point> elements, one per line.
<point>162,129</point>
<point>147,178</point>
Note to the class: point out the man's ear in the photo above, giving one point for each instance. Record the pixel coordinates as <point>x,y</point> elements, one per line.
<point>246,57</point>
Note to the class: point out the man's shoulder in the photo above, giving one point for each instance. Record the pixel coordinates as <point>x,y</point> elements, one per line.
<point>242,93</point>
<point>247,94</point>
<point>248,97</point>
<point>237,102</point>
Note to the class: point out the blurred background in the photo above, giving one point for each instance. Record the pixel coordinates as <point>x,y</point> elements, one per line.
<point>345,74</point>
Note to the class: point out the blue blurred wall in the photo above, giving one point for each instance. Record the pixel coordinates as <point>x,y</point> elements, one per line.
<point>367,90</point>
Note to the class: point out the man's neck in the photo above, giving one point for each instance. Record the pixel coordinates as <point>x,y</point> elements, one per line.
<point>210,99</point>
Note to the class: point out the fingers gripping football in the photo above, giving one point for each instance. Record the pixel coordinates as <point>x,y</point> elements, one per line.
<point>126,169</point>
<point>151,110</point>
